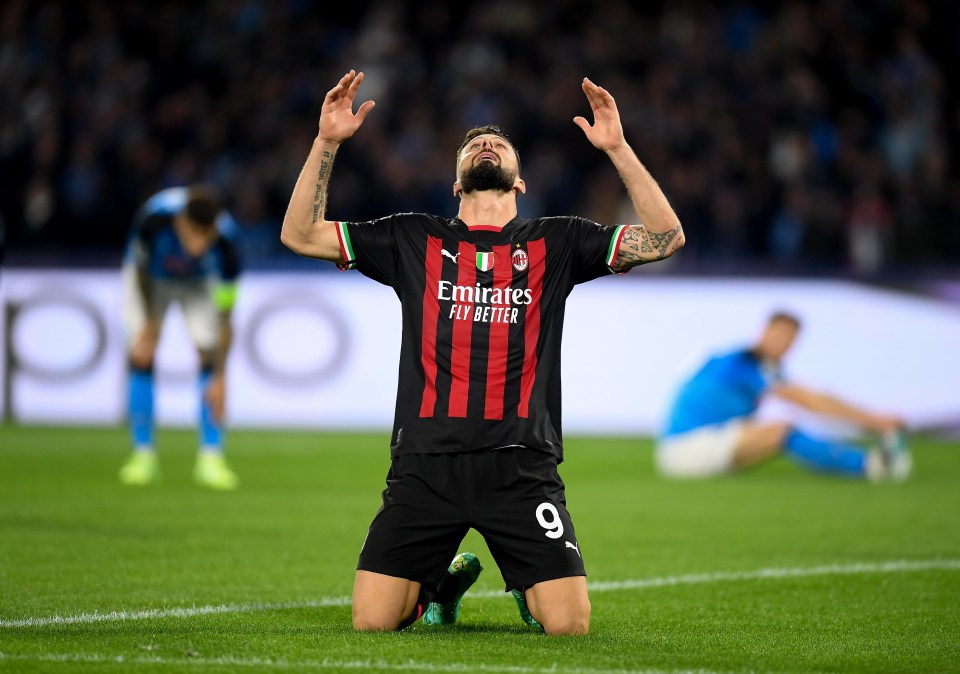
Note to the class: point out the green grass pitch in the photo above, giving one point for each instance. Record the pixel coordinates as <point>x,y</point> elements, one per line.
<point>778,570</point>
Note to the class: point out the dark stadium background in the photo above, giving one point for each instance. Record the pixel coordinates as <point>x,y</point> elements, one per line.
<point>811,150</point>
<point>793,138</point>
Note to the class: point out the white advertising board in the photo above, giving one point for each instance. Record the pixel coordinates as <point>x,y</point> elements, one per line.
<point>321,350</point>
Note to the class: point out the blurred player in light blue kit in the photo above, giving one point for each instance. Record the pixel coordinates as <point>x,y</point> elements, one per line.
<point>710,429</point>
<point>182,249</point>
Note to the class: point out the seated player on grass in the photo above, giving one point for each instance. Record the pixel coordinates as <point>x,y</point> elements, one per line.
<point>711,430</point>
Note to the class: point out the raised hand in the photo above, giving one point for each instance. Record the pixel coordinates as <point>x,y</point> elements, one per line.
<point>337,120</point>
<point>606,133</point>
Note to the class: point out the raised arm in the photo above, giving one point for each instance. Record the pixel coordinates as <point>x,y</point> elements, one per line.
<point>659,233</point>
<point>306,230</point>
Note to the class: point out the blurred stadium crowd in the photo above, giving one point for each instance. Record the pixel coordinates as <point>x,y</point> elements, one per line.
<point>807,137</point>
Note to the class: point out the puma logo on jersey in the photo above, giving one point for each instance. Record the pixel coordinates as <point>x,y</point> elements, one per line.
<point>445,253</point>
<point>574,546</point>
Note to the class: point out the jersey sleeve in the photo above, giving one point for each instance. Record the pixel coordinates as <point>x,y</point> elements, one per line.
<point>596,249</point>
<point>230,260</point>
<point>142,238</point>
<point>228,263</point>
<point>370,248</point>
<point>767,375</point>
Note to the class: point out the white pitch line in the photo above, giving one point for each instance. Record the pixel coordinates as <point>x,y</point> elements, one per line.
<point>895,566</point>
<point>182,612</point>
<point>326,663</point>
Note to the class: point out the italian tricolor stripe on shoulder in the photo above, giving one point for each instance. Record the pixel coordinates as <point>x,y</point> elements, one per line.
<point>346,248</point>
<point>615,245</point>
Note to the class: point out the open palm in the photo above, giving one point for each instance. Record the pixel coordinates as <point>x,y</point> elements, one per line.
<point>337,120</point>
<point>606,132</point>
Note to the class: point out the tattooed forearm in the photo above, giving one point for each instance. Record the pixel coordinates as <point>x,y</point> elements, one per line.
<point>323,178</point>
<point>638,246</point>
<point>659,242</point>
<point>675,246</point>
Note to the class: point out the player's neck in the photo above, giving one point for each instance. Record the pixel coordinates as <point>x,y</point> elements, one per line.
<point>488,208</point>
<point>760,352</point>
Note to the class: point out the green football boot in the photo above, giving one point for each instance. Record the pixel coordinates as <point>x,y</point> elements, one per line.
<point>465,568</point>
<point>211,471</point>
<point>140,470</point>
<point>524,611</point>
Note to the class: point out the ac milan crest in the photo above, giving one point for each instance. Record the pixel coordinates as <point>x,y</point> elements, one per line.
<point>520,259</point>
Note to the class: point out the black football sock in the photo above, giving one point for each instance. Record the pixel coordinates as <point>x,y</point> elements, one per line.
<point>423,600</point>
<point>447,589</point>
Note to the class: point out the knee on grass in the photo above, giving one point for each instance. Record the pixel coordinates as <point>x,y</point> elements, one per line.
<point>375,621</point>
<point>567,620</point>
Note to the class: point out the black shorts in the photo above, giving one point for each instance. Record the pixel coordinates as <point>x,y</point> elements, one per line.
<point>513,497</point>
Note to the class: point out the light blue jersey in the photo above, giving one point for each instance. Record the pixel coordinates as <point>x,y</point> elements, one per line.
<point>204,285</point>
<point>154,246</point>
<point>728,386</point>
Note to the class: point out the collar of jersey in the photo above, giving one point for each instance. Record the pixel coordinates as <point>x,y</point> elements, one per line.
<point>487,228</point>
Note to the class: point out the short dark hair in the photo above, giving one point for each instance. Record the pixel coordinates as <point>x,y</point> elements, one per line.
<point>491,129</point>
<point>784,317</point>
<point>203,205</point>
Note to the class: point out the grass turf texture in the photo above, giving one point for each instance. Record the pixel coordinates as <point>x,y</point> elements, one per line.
<point>279,554</point>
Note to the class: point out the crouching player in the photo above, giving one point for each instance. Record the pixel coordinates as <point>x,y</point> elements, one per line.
<point>182,249</point>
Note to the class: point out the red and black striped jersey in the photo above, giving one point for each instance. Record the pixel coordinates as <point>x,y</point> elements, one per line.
<point>483,312</point>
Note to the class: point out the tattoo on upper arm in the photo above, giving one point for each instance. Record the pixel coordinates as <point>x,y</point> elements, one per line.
<point>323,177</point>
<point>638,246</point>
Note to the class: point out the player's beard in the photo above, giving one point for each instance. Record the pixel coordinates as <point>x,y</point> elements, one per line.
<point>487,175</point>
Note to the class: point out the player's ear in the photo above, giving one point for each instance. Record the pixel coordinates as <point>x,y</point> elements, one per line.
<point>519,186</point>
<point>457,190</point>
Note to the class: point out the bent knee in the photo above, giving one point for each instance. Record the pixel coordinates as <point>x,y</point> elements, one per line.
<point>374,620</point>
<point>780,430</point>
<point>572,621</point>
<point>567,627</point>
<point>206,358</point>
<point>144,364</point>
<point>374,624</point>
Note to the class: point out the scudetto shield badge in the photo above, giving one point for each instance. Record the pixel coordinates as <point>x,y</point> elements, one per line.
<point>484,261</point>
